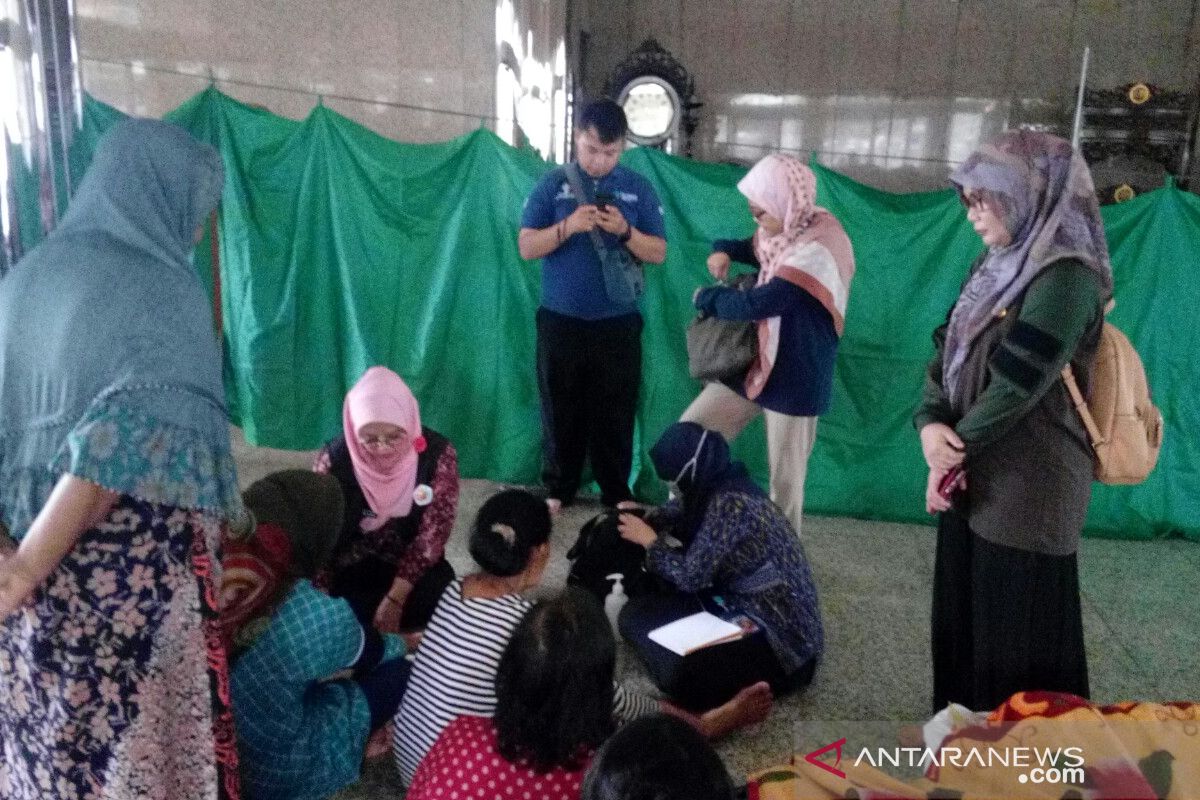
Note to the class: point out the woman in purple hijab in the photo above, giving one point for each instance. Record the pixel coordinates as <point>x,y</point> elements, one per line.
<point>1010,465</point>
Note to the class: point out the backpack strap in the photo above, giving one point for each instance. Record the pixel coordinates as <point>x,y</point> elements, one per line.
<point>1085,413</point>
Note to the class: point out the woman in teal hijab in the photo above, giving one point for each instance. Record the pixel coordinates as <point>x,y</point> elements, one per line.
<point>116,480</point>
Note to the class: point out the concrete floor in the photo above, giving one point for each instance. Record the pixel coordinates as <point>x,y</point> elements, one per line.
<point>1139,605</point>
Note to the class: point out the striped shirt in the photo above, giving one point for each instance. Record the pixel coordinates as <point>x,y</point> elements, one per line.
<point>455,670</point>
<point>455,673</point>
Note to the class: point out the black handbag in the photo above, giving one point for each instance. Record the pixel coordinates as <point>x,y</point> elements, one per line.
<point>600,551</point>
<point>722,349</point>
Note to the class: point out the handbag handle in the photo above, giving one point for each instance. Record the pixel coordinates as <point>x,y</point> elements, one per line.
<point>740,282</point>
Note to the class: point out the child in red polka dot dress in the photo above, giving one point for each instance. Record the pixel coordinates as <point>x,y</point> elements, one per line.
<point>554,691</point>
<point>466,764</point>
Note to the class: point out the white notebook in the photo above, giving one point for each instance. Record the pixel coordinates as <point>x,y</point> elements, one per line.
<point>689,634</point>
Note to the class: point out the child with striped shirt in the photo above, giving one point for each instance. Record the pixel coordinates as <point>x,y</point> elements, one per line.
<point>455,669</point>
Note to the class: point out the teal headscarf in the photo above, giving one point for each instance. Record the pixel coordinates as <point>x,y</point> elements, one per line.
<point>109,365</point>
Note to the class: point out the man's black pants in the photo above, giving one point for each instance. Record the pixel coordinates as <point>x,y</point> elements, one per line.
<point>589,373</point>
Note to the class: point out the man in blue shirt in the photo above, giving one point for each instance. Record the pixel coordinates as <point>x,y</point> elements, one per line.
<point>589,350</point>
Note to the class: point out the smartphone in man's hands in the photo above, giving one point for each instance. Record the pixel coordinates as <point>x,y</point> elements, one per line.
<point>604,200</point>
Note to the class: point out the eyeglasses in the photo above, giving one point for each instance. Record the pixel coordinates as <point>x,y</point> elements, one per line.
<point>975,201</point>
<point>382,439</point>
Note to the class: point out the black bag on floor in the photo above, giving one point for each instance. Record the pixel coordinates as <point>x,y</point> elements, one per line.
<point>600,551</point>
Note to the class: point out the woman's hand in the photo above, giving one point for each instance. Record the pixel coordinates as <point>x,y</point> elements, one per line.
<point>16,583</point>
<point>74,506</point>
<point>718,265</point>
<point>634,505</point>
<point>387,615</point>
<point>634,529</point>
<point>390,608</point>
<point>942,448</point>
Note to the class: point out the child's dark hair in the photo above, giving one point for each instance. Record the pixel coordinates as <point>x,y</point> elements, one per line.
<point>509,525</point>
<point>607,118</point>
<point>657,757</point>
<point>554,685</point>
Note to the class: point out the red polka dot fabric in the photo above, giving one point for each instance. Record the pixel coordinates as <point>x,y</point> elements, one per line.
<point>464,764</point>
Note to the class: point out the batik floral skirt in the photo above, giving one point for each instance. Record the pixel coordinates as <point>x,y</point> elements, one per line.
<point>113,681</point>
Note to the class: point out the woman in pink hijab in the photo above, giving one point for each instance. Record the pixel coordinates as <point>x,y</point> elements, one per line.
<point>400,484</point>
<point>805,264</point>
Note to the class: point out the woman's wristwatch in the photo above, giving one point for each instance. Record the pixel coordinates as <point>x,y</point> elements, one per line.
<point>627,235</point>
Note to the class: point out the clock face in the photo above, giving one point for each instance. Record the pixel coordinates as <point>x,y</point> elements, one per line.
<point>651,107</point>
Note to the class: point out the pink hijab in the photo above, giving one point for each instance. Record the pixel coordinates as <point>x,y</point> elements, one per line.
<point>387,481</point>
<point>812,251</point>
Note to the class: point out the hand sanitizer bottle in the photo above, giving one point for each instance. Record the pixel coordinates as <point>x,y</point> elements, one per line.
<point>616,599</point>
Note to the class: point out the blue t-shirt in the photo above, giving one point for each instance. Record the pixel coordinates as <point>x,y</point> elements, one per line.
<point>572,282</point>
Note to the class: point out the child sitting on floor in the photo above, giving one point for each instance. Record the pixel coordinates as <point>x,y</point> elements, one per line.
<point>302,732</point>
<point>455,669</point>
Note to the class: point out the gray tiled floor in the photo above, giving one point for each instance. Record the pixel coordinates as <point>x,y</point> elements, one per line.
<point>1140,617</point>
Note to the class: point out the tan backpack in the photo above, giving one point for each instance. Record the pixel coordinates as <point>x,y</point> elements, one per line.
<point>1125,427</point>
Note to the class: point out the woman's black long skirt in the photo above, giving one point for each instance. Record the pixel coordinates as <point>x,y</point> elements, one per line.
<point>1004,620</point>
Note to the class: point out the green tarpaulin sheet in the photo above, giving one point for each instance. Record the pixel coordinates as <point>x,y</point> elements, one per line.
<point>340,249</point>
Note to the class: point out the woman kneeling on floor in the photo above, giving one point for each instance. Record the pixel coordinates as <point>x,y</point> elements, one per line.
<point>740,559</point>
<point>457,664</point>
<point>399,481</point>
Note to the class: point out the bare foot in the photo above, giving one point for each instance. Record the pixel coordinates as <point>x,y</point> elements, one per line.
<point>555,506</point>
<point>747,707</point>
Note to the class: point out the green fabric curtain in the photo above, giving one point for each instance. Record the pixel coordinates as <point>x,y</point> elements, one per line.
<point>341,249</point>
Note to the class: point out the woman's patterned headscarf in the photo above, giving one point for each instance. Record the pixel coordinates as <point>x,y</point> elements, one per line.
<point>1042,190</point>
<point>785,188</point>
<point>812,251</point>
